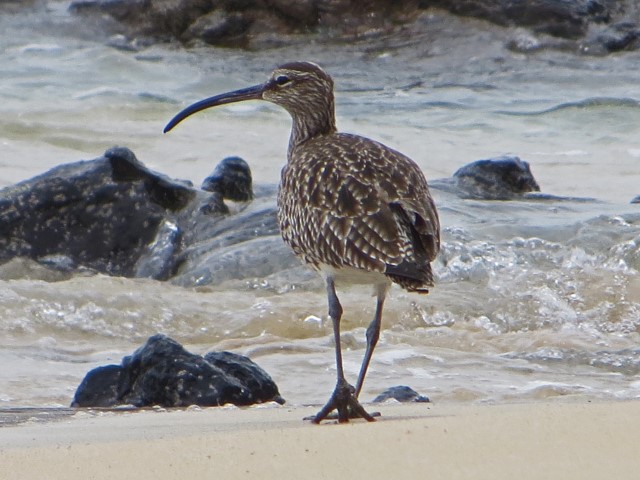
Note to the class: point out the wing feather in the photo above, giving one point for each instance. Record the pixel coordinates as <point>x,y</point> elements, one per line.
<point>349,201</point>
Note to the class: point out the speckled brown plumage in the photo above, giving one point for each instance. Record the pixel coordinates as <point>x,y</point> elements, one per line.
<point>351,207</point>
<point>347,201</point>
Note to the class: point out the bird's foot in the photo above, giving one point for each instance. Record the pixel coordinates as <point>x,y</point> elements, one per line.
<point>334,416</point>
<point>344,400</point>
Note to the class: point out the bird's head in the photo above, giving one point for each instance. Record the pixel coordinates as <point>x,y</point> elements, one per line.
<point>302,88</point>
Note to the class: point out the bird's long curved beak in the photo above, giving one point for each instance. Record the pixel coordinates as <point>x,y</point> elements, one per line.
<point>249,93</point>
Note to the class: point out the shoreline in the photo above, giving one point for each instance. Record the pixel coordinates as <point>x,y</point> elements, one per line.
<point>537,440</point>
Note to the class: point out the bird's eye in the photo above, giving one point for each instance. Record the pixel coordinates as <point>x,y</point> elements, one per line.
<point>282,80</point>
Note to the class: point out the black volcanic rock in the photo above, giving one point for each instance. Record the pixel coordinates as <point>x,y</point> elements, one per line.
<point>502,178</point>
<point>157,18</point>
<point>163,373</point>
<point>254,378</point>
<point>233,23</point>
<point>401,393</point>
<point>115,216</point>
<point>231,179</point>
<point>582,26</point>
<point>100,213</point>
<point>561,18</point>
<point>224,29</point>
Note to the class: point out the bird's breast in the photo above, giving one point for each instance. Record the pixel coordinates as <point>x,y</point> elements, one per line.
<point>342,202</point>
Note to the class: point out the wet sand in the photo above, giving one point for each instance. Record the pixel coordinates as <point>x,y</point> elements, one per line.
<point>542,440</point>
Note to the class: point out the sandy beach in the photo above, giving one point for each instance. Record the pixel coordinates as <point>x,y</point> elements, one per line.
<point>542,441</point>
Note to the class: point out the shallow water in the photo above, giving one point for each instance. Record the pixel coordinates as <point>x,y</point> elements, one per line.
<point>535,299</point>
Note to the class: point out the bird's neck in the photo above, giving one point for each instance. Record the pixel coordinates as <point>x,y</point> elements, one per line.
<point>310,125</point>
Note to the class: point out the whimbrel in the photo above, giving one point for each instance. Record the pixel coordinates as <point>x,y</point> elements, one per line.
<point>352,208</point>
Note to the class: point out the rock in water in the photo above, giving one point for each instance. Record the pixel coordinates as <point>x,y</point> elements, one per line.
<point>115,216</point>
<point>231,179</point>
<point>401,393</point>
<point>162,372</point>
<point>100,213</point>
<point>501,178</point>
<point>586,26</point>
<point>562,18</point>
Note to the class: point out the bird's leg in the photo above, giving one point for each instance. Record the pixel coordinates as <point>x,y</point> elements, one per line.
<point>373,334</point>
<point>343,398</point>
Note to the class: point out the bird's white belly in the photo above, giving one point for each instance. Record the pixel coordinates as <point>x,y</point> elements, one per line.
<point>355,276</point>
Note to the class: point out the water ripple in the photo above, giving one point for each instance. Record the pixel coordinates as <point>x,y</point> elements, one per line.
<point>588,104</point>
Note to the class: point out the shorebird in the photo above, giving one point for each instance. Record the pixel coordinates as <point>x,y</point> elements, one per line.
<point>350,207</point>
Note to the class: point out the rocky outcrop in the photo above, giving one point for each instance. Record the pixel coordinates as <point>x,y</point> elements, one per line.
<point>115,216</point>
<point>234,23</point>
<point>163,373</point>
<point>101,214</point>
<point>562,18</point>
<point>589,26</point>
<point>583,26</point>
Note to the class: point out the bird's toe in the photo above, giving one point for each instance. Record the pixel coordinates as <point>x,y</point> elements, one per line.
<point>344,401</point>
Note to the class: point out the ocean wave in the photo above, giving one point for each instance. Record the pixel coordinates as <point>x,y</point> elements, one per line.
<point>587,104</point>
